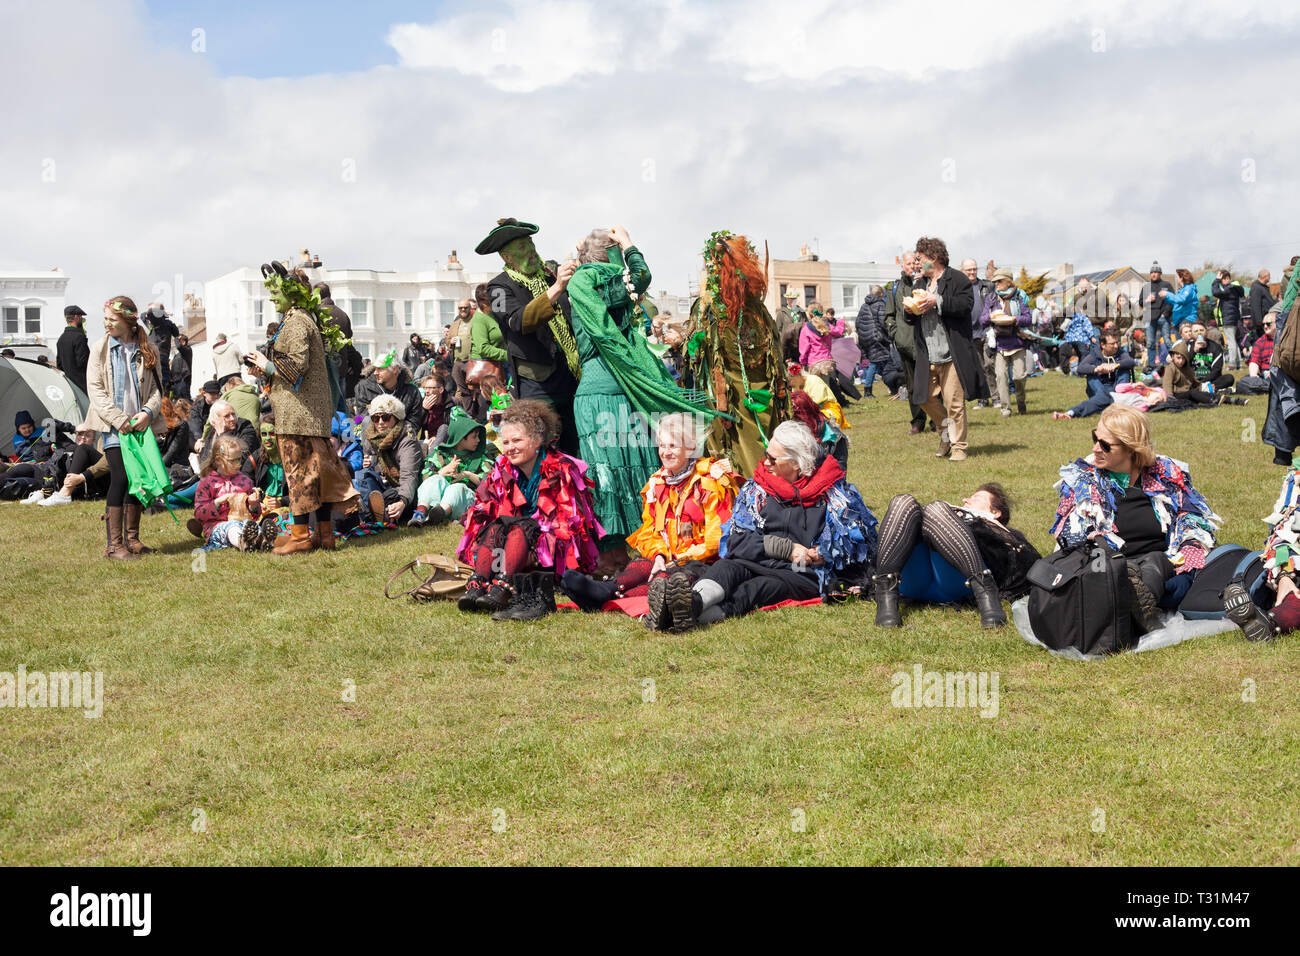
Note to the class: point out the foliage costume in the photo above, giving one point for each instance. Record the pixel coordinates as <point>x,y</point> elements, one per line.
<point>735,352</point>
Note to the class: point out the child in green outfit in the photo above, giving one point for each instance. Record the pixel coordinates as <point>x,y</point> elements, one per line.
<point>452,472</point>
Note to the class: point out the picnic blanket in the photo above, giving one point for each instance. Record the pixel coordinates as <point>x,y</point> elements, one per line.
<point>640,606</point>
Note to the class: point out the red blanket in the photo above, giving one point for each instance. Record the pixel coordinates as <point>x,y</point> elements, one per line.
<point>639,606</point>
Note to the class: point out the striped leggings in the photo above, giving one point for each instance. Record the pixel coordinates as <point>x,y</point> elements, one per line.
<point>906,522</point>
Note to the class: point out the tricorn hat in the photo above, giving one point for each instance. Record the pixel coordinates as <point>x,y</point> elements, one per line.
<point>505,231</point>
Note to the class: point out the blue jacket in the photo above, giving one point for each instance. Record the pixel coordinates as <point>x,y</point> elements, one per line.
<point>1185,303</point>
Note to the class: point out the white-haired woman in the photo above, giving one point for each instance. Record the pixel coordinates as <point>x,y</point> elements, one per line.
<point>391,462</point>
<point>684,506</point>
<point>796,527</point>
<point>623,383</point>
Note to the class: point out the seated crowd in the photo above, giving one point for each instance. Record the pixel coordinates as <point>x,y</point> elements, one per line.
<point>447,434</point>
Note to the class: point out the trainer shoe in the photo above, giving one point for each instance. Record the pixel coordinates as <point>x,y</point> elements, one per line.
<point>55,499</point>
<point>1242,611</point>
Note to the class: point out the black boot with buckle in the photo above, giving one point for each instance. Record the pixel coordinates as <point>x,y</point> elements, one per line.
<point>987,600</point>
<point>886,589</point>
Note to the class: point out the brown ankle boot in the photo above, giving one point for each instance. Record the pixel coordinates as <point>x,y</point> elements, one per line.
<point>324,536</point>
<point>131,513</point>
<point>300,539</point>
<point>116,549</point>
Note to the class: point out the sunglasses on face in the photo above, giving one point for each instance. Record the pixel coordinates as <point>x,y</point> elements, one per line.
<point>381,418</point>
<point>1104,445</point>
<point>769,459</point>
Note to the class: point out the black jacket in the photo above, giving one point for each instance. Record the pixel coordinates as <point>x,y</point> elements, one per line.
<point>181,371</point>
<point>412,399</point>
<point>199,412</point>
<point>534,353</point>
<point>873,343</point>
<point>161,333</point>
<point>790,521</point>
<point>177,445</point>
<point>72,353</point>
<point>895,327</point>
<point>954,314</point>
<point>1161,307</point>
<point>1006,552</point>
<point>1229,297</point>
<point>1261,300</point>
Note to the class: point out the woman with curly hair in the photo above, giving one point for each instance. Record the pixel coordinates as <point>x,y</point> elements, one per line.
<point>125,390</point>
<point>532,519</point>
<point>1141,504</point>
<point>734,352</point>
<point>301,395</point>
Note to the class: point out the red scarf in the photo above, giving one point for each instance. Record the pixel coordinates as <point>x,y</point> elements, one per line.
<point>808,490</point>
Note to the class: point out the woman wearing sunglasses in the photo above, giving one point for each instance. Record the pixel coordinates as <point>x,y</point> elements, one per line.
<point>1141,504</point>
<point>391,462</point>
<point>796,527</point>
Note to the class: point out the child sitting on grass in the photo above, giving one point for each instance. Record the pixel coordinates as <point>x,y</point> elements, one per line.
<point>226,503</point>
<point>452,472</point>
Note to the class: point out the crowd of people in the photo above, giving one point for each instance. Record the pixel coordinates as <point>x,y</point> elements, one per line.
<point>591,451</point>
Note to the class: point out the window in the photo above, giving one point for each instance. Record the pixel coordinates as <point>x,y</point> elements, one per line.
<point>33,319</point>
<point>257,313</point>
<point>809,294</point>
<point>11,319</point>
<point>363,348</point>
<point>390,314</point>
<point>446,313</point>
<point>783,288</point>
<point>360,312</point>
<point>850,296</point>
<point>408,313</point>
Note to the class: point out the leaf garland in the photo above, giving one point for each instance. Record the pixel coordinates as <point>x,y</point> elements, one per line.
<point>291,294</point>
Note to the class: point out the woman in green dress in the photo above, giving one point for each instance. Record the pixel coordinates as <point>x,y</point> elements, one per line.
<point>624,386</point>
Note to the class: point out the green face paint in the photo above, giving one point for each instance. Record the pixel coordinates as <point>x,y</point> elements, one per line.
<point>269,443</point>
<point>521,255</point>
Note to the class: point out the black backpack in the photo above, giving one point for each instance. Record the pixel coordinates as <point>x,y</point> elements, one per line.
<point>1080,598</point>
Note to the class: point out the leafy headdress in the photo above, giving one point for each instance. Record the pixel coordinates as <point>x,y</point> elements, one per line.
<point>291,289</point>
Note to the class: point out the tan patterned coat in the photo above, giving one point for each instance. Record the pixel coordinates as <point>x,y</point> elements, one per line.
<point>299,357</point>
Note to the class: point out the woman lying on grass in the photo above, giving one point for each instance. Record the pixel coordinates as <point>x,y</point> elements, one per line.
<point>1281,564</point>
<point>986,557</point>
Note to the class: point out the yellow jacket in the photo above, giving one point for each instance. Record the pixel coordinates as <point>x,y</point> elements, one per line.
<point>684,522</point>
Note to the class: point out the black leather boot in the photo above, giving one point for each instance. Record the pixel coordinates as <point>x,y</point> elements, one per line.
<point>474,589</point>
<point>541,597</point>
<point>501,598</point>
<point>886,587</point>
<point>987,599</point>
<point>659,616</point>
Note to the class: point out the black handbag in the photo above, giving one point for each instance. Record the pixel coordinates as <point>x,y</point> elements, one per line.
<point>1080,598</point>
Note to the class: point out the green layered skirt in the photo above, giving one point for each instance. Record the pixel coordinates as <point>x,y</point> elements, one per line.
<point>618,446</point>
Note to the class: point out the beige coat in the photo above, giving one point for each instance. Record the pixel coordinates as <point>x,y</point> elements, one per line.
<point>298,349</point>
<point>104,415</point>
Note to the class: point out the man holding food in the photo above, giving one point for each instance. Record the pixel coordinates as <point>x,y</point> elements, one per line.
<point>1006,311</point>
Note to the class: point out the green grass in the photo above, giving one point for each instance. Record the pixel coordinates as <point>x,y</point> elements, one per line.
<point>224,694</point>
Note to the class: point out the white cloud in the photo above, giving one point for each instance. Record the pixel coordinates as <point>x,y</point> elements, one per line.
<point>1058,153</point>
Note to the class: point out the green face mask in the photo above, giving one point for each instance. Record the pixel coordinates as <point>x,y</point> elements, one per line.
<point>926,265</point>
<point>521,255</point>
<point>269,443</point>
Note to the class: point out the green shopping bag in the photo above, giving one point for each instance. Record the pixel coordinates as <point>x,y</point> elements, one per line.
<point>146,476</point>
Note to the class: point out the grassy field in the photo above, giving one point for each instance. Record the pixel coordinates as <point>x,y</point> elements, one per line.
<point>226,738</point>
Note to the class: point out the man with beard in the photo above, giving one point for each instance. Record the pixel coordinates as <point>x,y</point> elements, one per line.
<point>900,333</point>
<point>531,304</point>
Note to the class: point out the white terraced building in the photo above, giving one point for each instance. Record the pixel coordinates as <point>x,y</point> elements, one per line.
<point>31,311</point>
<point>386,307</point>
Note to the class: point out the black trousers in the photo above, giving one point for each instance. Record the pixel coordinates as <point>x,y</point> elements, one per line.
<point>749,586</point>
<point>560,395</point>
<point>909,377</point>
<point>117,481</point>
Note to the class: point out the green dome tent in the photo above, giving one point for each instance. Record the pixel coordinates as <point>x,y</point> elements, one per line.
<point>40,389</point>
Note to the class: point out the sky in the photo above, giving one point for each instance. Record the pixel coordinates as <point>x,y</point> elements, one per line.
<point>149,140</point>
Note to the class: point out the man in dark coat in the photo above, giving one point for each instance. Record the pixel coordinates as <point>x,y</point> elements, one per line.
<point>530,302</point>
<point>948,369</point>
<point>391,377</point>
<point>72,352</point>
<point>900,333</point>
<point>873,343</point>
<point>1261,297</point>
<point>348,361</point>
<point>181,374</point>
<point>1157,312</point>
<point>161,332</point>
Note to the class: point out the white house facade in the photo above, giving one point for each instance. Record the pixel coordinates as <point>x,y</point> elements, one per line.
<point>850,282</point>
<point>385,307</point>
<point>31,309</point>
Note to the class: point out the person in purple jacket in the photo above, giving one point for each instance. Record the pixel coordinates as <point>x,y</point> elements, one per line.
<point>1006,312</point>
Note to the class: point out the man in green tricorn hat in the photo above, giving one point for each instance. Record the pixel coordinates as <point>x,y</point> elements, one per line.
<point>530,303</point>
